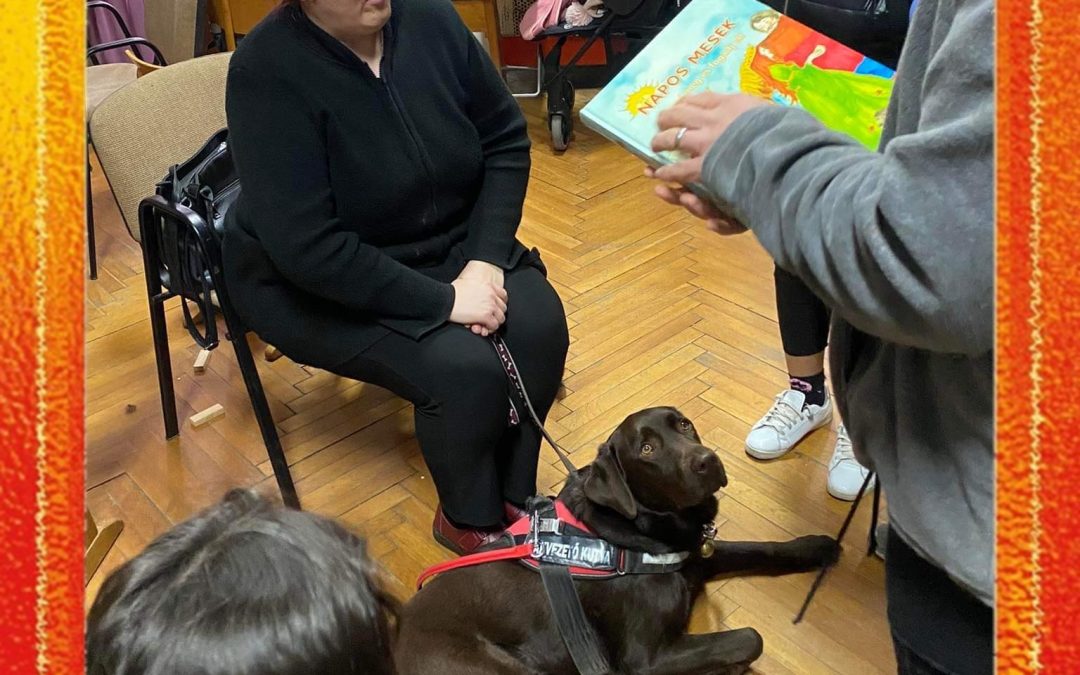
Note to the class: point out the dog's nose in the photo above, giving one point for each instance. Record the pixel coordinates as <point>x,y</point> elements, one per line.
<point>704,462</point>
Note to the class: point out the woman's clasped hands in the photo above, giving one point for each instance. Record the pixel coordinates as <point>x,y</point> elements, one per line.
<point>479,298</point>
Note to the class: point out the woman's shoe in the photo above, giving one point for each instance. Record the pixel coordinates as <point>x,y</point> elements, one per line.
<point>513,513</point>
<point>460,540</point>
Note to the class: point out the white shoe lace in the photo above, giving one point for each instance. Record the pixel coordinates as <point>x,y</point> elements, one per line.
<point>781,416</point>
<point>843,451</point>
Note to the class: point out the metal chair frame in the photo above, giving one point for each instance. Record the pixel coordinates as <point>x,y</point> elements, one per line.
<point>182,258</point>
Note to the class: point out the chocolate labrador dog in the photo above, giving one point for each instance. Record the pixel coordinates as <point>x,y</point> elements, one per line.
<point>651,488</point>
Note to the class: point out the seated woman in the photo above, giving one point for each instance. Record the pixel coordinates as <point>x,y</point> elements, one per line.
<point>384,165</point>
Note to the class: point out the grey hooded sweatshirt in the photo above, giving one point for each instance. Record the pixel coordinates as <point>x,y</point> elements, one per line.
<point>900,244</point>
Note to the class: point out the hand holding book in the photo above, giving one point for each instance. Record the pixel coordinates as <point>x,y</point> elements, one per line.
<point>705,117</point>
<point>689,128</point>
<point>715,221</point>
<point>740,47</point>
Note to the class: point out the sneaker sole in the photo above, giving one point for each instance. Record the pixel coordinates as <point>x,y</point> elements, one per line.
<point>845,496</point>
<point>762,454</point>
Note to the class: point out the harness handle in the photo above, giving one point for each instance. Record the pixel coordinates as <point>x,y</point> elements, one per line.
<point>512,374</point>
<point>840,537</point>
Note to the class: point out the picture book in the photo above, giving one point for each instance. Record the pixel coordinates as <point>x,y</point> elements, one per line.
<point>731,46</point>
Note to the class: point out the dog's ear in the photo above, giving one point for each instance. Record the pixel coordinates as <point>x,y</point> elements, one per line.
<point>606,484</point>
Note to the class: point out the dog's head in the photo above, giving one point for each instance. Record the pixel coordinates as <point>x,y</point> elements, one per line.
<point>654,459</point>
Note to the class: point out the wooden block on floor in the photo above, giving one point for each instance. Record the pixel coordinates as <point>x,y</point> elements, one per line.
<point>201,360</point>
<point>206,416</point>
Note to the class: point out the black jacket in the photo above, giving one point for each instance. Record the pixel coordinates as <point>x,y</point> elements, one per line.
<point>362,197</point>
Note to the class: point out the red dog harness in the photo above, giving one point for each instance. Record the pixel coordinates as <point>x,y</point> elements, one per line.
<point>551,534</point>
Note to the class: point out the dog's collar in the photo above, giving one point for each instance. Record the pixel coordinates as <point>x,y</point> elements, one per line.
<point>708,540</point>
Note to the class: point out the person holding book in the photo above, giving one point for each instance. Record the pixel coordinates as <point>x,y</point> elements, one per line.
<point>899,243</point>
<point>383,165</point>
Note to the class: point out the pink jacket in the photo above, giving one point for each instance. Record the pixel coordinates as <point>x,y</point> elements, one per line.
<point>542,14</point>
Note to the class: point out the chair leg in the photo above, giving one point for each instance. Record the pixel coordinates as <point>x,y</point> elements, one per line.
<point>90,244</point>
<point>262,414</point>
<point>156,300</point>
<point>164,363</point>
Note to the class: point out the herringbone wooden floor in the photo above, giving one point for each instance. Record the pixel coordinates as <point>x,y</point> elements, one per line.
<point>661,312</point>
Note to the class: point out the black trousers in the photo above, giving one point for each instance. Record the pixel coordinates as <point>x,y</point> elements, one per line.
<point>460,393</point>
<point>938,627</point>
<point>803,317</point>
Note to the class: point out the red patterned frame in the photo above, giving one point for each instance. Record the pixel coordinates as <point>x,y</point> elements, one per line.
<point>41,337</point>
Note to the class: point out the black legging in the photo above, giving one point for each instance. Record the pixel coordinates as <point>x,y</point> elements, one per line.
<point>459,390</point>
<point>938,627</point>
<point>803,317</point>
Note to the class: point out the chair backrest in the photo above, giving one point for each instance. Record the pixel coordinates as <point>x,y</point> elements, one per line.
<point>157,121</point>
<point>172,25</point>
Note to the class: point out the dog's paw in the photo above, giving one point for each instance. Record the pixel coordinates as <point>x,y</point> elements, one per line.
<point>820,549</point>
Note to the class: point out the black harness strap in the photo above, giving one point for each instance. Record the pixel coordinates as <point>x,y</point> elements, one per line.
<point>840,537</point>
<point>574,627</point>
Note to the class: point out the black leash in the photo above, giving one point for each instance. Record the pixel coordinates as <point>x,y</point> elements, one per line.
<point>573,624</point>
<point>515,378</point>
<point>840,537</point>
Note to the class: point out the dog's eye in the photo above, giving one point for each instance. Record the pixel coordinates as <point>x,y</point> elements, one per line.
<point>646,449</point>
<point>685,425</point>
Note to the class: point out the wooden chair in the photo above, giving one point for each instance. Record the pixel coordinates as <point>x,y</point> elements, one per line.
<point>141,67</point>
<point>139,132</point>
<point>99,543</point>
<point>238,17</point>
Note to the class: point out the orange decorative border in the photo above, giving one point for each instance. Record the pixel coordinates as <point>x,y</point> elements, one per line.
<point>1038,202</point>
<point>41,335</point>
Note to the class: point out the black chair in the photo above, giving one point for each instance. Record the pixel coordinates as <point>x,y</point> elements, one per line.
<point>111,81</point>
<point>182,257</point>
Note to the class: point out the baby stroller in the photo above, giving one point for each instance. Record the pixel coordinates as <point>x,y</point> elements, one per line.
<point>635,22</point>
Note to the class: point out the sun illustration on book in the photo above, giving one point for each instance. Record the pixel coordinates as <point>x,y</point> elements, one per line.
<point>639,98</point>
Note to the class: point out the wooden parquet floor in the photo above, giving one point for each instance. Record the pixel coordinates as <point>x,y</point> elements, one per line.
<point>661,312</point>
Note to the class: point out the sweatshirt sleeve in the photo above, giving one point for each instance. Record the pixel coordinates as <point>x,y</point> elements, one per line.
<point>899,243</point>
<point>282,162</point>
<point>494,220</point>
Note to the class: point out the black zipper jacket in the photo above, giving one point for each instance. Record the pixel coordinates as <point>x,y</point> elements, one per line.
<point>363,197</point>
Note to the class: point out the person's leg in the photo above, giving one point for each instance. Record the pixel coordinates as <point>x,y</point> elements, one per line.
<point>536,334</point>
<point>938,627</point>
<point>459,390</point>
<point>804,331</point>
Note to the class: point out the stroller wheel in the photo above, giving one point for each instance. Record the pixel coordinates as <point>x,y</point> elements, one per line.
<point>561,127</point>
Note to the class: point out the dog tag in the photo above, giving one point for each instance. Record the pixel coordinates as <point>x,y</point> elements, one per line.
<point>707,548</point>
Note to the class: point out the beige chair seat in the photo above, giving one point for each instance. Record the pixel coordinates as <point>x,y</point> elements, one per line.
<point>156,121</point>
<point>103,80</point>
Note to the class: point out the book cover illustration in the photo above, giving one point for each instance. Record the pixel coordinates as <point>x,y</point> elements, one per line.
<point>728,46</point>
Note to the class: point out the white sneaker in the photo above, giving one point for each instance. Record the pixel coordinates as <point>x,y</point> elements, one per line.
<point>846,475</point>
<point>788,421</point>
